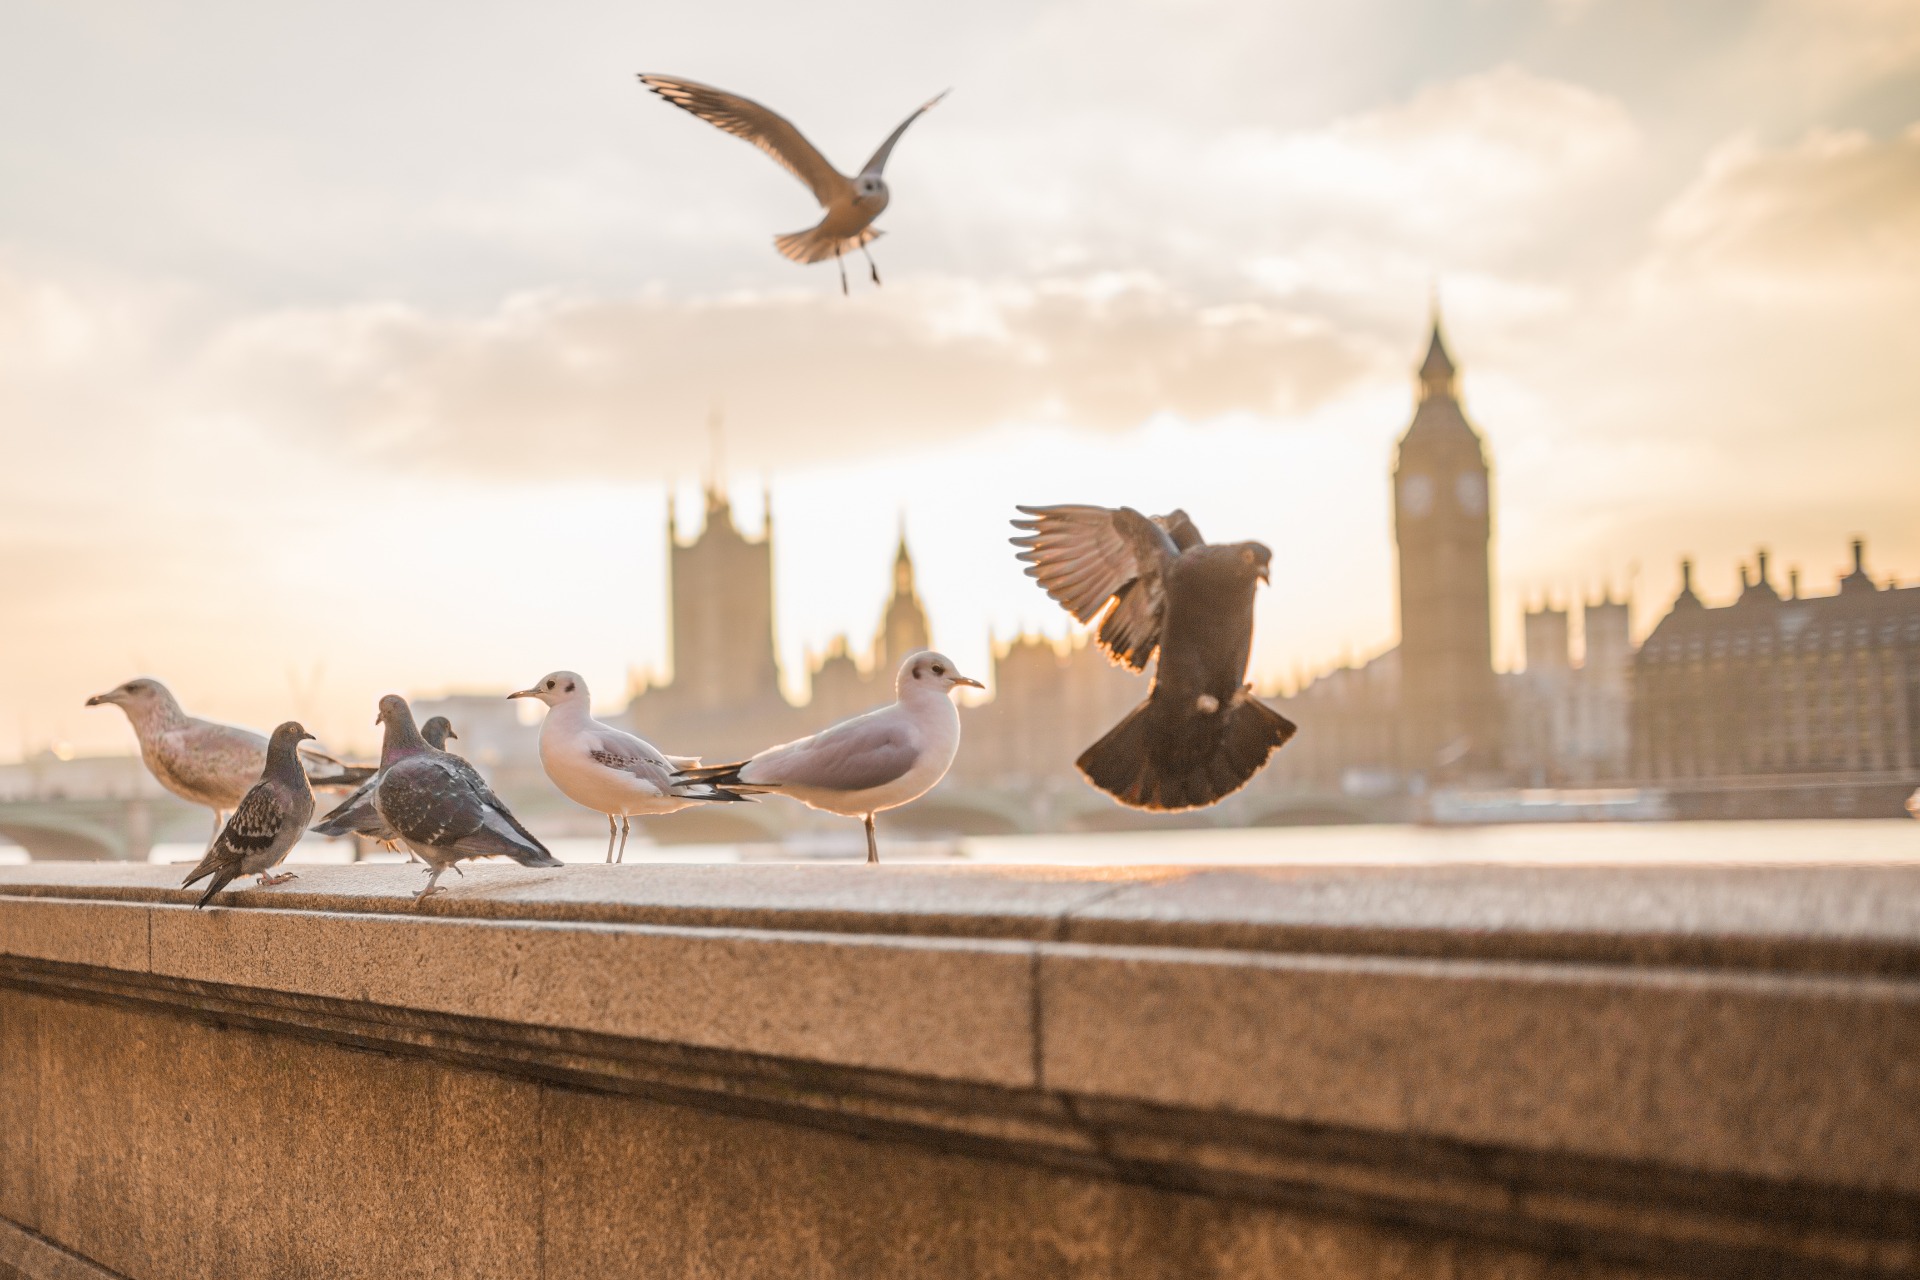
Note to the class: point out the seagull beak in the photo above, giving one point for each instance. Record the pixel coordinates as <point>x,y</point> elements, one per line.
<point>969,681</point>
<point>99,698</point>
<point>525,693</point>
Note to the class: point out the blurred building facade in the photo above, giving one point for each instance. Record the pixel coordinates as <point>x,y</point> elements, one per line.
<point>1777,696</point>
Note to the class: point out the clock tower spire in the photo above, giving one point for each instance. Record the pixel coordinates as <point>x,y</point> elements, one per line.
<point>1443,527</point>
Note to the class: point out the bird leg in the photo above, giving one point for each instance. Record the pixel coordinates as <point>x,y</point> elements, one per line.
<point>873,849</point>
<point>609,837</point>
<point>843,272</point>
<point>219,821</point>
<point>431,888</point>
<point>280,877</point>
<point>872,266</point>
<point>623,838</point>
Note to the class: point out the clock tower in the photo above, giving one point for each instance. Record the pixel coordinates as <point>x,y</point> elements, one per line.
<point>1443,525</point>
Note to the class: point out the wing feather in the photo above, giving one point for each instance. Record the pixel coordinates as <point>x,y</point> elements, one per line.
<point>1110,560</point>
<point>765,128</point>
<point>878,162</point>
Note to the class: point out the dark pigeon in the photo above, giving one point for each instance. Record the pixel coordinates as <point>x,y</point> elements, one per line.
<point>1156,584</point>
<point>438,805</point>
<point>356,815</point>
<point>267,823</point>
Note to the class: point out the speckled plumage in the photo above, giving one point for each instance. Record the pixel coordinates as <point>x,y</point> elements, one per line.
<point>269,820</point>
<point>439,806</point>
<point>356,814</point>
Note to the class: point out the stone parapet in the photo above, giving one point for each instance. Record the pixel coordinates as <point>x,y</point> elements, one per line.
<point>966,1071</point>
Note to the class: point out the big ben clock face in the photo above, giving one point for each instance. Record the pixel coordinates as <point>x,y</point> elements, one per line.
<point>1471,490</point>
<point>1416,494</point>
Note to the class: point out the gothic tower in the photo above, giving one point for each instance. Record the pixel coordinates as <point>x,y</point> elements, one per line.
<point>903,628</point>
<point>722,593</point>
<point>1443,525</point>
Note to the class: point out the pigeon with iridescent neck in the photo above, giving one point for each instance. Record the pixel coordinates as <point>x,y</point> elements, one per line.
<point>356,815</point>
<point>438,805</point>
<point>269,821</point>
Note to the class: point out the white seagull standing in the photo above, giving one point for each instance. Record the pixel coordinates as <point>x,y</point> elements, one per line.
<point>607,769</point>
<point>859,767</point>
<point>851,203</point>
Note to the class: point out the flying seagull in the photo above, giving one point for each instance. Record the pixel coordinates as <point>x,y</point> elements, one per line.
<point>356,815</point>
<point>873,762</point>
<point>1201,734</point>
<point>203,761</point>
<point>851,203</point>
<point>607,769</point>
<point>270,820</point>
<point>439,807</point>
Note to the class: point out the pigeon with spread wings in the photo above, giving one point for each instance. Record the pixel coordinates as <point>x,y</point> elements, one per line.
<point>1157,585</point>
<point>851,203</point>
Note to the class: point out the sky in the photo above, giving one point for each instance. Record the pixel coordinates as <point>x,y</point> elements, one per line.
<point>350,348</point>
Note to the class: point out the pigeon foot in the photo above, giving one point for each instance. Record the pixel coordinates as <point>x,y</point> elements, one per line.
<point>280,878</point>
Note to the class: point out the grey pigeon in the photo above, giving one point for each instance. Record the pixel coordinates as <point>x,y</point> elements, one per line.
<point>269,821</point>
<point>888,757</point>
<point>851,204</point>
<point>1201,734</point>
<point>356,815</point>
<point>439,807</point>
<point>203,761</point>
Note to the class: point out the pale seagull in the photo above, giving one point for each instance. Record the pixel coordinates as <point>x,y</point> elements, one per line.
<point>607,769</point>
<point>439,806</point>
<point>203,761</point>
<point>851,203</point>
<point>270,820</point>
<point>871,763</point>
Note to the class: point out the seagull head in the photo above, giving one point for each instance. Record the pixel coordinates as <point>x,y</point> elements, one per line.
<point>555,688</point>
<point>135,695</point>
<point>930,672</point>
<point>869,187</point>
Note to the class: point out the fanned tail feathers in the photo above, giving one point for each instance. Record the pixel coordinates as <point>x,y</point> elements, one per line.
<point>1205,760</point>
<point>815,245</point>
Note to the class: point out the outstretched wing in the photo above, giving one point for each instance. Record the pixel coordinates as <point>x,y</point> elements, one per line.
<point>766,129</point>
<point>879,160</point>
<point>1104,558</point>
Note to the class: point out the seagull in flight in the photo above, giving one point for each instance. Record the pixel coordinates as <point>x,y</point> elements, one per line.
<point>851,203</point>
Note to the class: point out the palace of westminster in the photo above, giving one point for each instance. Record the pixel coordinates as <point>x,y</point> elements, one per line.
<point>1767,705</point>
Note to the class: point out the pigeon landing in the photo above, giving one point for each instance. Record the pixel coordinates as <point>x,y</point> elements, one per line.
<point>871,763</point>
<point>1201,734</point>
<point>851,203</point>
<point>203,761</point>
<point>356,815</point>
<point>269,821</point>
<point>607,769</point>
<point>439,807</point>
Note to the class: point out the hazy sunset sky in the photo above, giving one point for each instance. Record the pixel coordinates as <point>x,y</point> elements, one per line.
<point>350,348</point>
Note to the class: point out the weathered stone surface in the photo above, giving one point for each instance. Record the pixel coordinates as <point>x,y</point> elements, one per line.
<point>110,935</point>
<point>931,1006</point>
<point>1769,1076</point>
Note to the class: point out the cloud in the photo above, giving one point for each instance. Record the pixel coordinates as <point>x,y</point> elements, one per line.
<point>1835,209</point>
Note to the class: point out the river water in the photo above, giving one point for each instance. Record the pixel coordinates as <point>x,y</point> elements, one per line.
<point>1546,844</point>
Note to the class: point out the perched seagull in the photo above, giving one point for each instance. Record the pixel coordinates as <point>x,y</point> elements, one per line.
<point>1201,733</point>
<point>438,806</point>
<point>356,815</point>
<point>859,767</point>
<point>851,203</point>
<point>204,761</point>
<point>270,820</point>
<point>607,769</point>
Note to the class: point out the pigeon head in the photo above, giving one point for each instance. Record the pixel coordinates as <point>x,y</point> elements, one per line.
<point>436,731</point>
<point>402,737</point>
<point>1235,562</point>
<point>931,672</point>
<point>556,688</point>
<point>286,740</point>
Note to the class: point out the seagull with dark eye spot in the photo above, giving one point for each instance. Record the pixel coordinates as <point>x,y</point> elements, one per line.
<point>1156,586</point>
<point>606,769</point>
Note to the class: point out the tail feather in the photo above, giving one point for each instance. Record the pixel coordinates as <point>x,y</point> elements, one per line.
<point>219,882</point>
<point>1151,760</point>
<point>815,245</point>
<point>723,780</point>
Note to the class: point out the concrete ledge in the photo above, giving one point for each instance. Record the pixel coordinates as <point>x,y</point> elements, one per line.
<point>1693,1071</point>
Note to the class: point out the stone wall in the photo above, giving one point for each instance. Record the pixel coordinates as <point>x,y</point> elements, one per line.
<point>844,1071</point>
